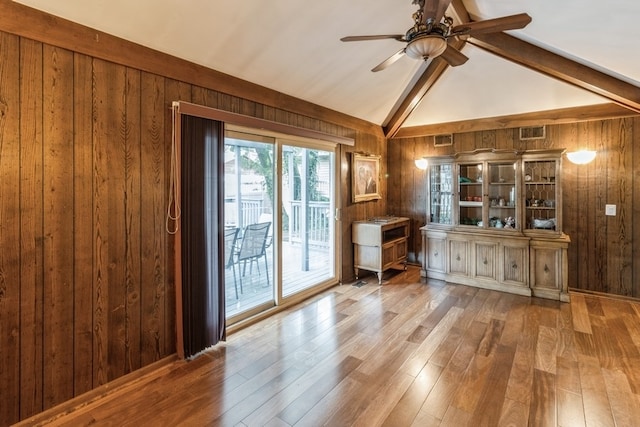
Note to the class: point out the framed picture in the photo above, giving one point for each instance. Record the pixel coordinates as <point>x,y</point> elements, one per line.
<point>365,175</point>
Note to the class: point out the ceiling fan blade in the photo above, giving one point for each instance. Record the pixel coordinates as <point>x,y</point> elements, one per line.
<point>512,22</point>
<point>390,60</point>
<point>453,56</point>
<point>399,37</point>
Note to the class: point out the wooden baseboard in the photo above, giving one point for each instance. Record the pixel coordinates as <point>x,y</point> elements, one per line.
<point>604,294</point>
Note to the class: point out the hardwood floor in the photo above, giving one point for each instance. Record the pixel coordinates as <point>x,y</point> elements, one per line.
<point>402,354</point>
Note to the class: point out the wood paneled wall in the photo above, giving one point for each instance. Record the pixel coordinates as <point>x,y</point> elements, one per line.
<point>604,255</point>
<point>86,266</point>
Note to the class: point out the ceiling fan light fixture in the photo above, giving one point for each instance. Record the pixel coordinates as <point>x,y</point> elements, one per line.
<point>426,46</point>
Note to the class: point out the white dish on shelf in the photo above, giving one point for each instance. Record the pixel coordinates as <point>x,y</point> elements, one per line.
<point>544,223</point>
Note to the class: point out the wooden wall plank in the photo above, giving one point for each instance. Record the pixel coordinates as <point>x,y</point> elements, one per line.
<point>31,231</point>
<point>599,131</point>
<point>619,193</point>
<point>10,231</point>
<point>572,187</point>
<point>101,222</point>
<point>83,224</point>
<point>113,133</point>
<point>152,212</point>
<point>58,225</point>
<point>130,141</point>
<point>635,207</point>
<point>585,234</point>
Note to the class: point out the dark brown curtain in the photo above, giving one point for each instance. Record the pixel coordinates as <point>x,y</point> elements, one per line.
<point>202,190</point>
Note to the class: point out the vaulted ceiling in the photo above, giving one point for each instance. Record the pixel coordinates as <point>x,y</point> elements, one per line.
<point>574,53</point>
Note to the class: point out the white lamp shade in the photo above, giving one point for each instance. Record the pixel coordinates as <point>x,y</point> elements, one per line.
<point>581,157</point>
<point>427,46</point>
<point>421,163</point>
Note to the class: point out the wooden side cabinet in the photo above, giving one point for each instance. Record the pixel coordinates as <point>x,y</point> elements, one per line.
<point>549,277</point>
<point>380,244</point>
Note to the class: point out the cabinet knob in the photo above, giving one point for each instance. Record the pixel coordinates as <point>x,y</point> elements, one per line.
<point>458,257</point>
<point>514,265</point>
<point>485,261</point>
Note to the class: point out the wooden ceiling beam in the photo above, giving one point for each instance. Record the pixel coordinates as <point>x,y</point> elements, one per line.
<point>415,95</point>
<point>550,117</point>
<point>436,68</point>
<point>559,67</point>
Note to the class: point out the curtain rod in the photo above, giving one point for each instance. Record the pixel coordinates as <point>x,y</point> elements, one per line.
<point>205,112</point>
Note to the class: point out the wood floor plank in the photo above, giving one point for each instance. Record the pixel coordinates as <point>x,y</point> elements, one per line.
<point>597,407</point>
<point>513,414</point>
<point>450,380</point>
<point>314,374</point>
<point>489,408</point>
<point>623,401</point>
<point>568,375</point>
<point>570,409</point>
<point>404,353</point>
<point>415,364</point>
<point>299,407</point>
<point>542,410</point>
<point>409,405</point>
<point>385,401</point>
<point>546,350</point>
<point>580,314</point>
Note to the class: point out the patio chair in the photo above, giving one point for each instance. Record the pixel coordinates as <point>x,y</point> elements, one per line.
<point>253,247</point>
<point>230,242</point>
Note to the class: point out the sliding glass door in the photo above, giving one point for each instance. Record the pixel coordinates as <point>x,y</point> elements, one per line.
<point>248,208</point>
<point>280,228</point>
<point>307,241</point>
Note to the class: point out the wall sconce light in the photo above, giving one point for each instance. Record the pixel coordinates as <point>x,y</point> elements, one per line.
<point>581,157</point>
<point>421,163</point>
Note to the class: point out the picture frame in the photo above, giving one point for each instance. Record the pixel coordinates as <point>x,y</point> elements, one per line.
<point>365,177</point>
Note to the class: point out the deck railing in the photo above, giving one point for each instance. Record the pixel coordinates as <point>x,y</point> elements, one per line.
<point>318,223</point>
<point>318,220</point>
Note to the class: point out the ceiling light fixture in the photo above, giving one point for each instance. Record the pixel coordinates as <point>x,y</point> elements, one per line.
<point>426,46</point>
<point>421,163</point>
<point>581,157</point>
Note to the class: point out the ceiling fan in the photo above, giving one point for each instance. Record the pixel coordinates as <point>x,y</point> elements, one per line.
<point>432,29</point>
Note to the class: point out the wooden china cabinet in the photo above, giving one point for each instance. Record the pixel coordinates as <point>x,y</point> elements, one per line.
<point>494,220</point>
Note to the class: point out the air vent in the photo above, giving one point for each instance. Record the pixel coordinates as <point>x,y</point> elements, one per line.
<point>443,140</point>
<point>532,132</point>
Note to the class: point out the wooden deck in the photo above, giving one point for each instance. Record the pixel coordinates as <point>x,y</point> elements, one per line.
<point>408,353</point>
<point>256,290</point>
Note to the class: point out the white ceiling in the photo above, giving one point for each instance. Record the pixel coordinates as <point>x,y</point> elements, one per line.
<point>293,47</point>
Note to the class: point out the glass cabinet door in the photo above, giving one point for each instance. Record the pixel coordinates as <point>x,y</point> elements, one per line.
<point>470,191</point>
<point>540,188</point>
<point>502,195</point>
<point>440,188</point>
